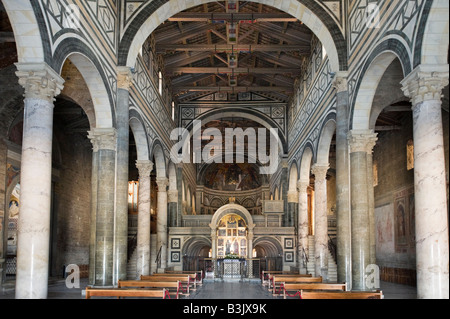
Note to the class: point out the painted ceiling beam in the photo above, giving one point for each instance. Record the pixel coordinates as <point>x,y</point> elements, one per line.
<point>225,70</point>
<point>222,17</point>
<point>233,89</point>
<point>163,47</point>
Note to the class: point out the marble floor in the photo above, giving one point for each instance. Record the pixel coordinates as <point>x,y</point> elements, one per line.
<point>236,290</point>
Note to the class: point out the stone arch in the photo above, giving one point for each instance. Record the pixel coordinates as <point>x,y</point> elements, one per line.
<point>140,136</point>
<point>160,160</point>
<point>433,42</point>
<point>172,174</point>
<point>374,69</point>
<point>323,148</point>
<point>194,245</point>
<point>270,246</point>
<point>293,177</point>
<point>104,115</point>
<point>26,31</point>
<point>309,12</point>
<point>232,209</point>
<point>305,164</point>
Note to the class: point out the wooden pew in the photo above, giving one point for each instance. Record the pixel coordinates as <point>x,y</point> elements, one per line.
<point>199,273</point>
<point>173,287</point>
<point>285,288</point>
<point>194,275</point>
<point>265,275</point>
<point>184,279</point>
<point>122,292</point>
<point>270,276</point>
<point>341,295</point>
<point>277,280</point>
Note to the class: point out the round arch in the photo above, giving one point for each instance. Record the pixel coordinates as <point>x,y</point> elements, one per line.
<point>104,117</point>
<point>268,247</point>
<point>195,245</point>
<point>140,137</point>
<point>432,44</point>
<point>305,164</point>
<point>373,71</point>
<point>309,12</point>
<point>160,160</point>
<point>323,148</point>
<point>293,177</point>
<point>232,209</point>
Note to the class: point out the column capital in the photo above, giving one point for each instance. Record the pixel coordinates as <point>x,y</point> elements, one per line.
<point>362,141</point>
<point>292,196</point>
<point>103,138</point>
<point>162,182</point>
<point>145,167</point>
<point>124,77</point>
<point>39,80</point>
<point>340,82</point>
<point>302,186</point>
<point>425,83</point>
<point>320,171</point>
<point>172,196</point>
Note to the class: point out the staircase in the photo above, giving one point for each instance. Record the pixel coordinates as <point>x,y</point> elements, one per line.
<point>132,266</point>
<point>332,266</point>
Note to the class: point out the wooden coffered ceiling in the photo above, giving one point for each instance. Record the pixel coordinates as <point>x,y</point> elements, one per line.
<point>232,47</point>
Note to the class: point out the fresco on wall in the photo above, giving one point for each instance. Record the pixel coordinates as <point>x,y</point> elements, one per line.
<point>232,177</point>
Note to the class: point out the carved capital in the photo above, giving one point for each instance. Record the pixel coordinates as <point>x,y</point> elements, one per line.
<point>320,171</point>
<point>340,82</point>
<point>162,182</point>
<point>103,139</point>
<point>292,197</point>
<point>302,186</point>
<point>425,83</point>
<point>362,141</point>
<point>124,77</point>
<point>172,196</point>
<point>39,81</point>
<point>144,167</point>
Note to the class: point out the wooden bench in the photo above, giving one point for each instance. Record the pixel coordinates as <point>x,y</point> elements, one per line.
<point>277,280</point>
<point>265,275</point>
<point>172,286</point>
<point>122,292</point>
<point>285,288</point>
<point>341,295</point>
<point>271,275</point>
<point>184,279</point>
<point>199,273</point>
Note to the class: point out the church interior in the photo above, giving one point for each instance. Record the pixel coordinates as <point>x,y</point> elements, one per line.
<point>116,156</point>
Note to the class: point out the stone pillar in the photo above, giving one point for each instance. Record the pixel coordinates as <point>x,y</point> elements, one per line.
<point>104,142</point>
<point>292,200</point>
<point>344,256</point>
<point>172,198</point>
<point>371,205</point>
<point>320,220</point>
<point>93,216</point>
<point>124,79</point>
<point>161,224</point>
<point>360,142</point>
<point>424,86</point>
<point>41,85</point>
<point>143,232</point>
<point>303,250</point>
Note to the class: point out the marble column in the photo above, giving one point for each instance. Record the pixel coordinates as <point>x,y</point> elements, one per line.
<point>344,255</point>
<point>371,205</point>
<point>172,199</point>
<point>292,205</point>
<point>144,218</point>
<point>302,239</point>
<point>424,86</point>
<point>124,79</point>
<point>93,216</point>
<point>41,84</point>
<point>320,220</point>
<point>359,143</point>
<point>161,223</point>
<point>104,144</point>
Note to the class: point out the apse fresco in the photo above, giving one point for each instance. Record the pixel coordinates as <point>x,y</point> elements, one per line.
<point>232,177</point>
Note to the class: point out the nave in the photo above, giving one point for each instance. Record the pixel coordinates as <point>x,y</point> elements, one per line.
<point>232,290</point>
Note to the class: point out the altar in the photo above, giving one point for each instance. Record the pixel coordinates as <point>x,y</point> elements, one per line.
<point>232,268</point>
